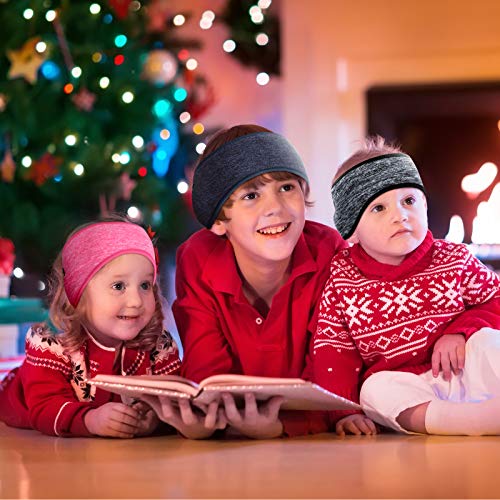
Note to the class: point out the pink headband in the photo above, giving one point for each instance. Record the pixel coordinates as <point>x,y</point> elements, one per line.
<point>93,246</point>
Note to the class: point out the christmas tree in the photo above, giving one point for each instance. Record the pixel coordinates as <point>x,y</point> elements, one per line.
<point>98,110</point>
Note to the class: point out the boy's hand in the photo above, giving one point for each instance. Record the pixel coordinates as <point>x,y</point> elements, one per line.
<point>258,422</point>
<point>191,422</point>
<point>356,424</point>
<point>448,355</point>
<point>112,420</point>
<point>148,420</point>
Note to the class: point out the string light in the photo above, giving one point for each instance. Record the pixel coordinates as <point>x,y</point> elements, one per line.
<point>28,13</point>
<point>262,78</point>
<point>191,64</point>
<point>116,158</point>
<point>198,128</point>
<point>120,41</point>
<point>70,139</point>
<point>264,4</point>
<point>142,172</point>
<point>137,142</point>
<point>104,82</point>
<point>207,19</point>
<point>184,117</point>
<point>124,158</point>
<point>200,147</point>
<point>179,20</point>
<point>18,273</point>
<point>165,134</point>
<point>76,72</point>
<point>26,162</point>
<point>41,47</point>
<point>182,187</point>
<point>262,39</point>
<point>50,15</point>
<point>180,94</point>
<point>78,169</point>
<point>229,45</point>
<point>127,97</point>
<point>96,57</point>
<point>135,6</point>
<point>183,54</point>
<point>119,59</point>
<point>134,213</point>
<point>95,8</point>
<point>68,88</point>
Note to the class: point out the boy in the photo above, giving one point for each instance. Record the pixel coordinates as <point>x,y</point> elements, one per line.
<point>248,285</point>
<point>386,312</point>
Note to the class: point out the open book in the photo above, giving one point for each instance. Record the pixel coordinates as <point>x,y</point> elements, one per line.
<point>298,394</point>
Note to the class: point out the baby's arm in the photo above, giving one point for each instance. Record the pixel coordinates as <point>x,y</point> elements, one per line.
<point>113,420</point>
<point>356,424</point>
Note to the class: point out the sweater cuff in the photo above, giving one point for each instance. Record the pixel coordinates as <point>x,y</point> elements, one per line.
<point>70,420</point>
<point>299,423</point>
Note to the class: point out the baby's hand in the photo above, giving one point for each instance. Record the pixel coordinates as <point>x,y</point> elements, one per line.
<point>191,422</point>
<point>448,355</point>
<point>356,424</point>
<point>258,422</point>
<point>112,420</point>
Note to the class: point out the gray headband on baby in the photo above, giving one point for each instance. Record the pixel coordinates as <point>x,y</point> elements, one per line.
<point>354,190</point>
<point>235,163</point>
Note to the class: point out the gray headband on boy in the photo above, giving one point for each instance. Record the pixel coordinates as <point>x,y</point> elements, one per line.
<point>235,163</point>
<point>354,190</point>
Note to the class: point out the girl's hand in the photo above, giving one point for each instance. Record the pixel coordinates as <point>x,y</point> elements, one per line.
<point>356,424</point>
<point>448,355</point>
<point>191,422</point>
<point>258,422</point>
<point>112,420</point>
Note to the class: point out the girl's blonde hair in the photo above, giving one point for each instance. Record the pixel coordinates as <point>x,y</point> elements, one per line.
<point>70,322</point>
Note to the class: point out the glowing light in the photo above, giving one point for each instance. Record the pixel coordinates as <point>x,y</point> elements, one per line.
<point>264,4</point>
<point>200,147</point>
<point>135,6</point>
<point>179,20</point>
<point>41,286</point>
<point>120,41</point>
<point>78,169</point>
<point>184,117</point>
<point>28,13</point>
<point>229,45</point>
<point>262,39</point>
<point>70,139</point>
<point>198,128</point>
<point>50,70</point>
<point>116,158</point>
<point>205,24</point>
<point>95,8</point>
<point>191,64</point>
<point>456,232</point>
<point>180,94</point>
<point>50,15</point>
<point>119,59</point>
<point>183,54</point>
<point>165,134</point>
<point>162,108</point>
<point>137,142</point>
<point>107,19</point>
<point>474,184</point>
<point>104,82</point>
<point>254,10</point>
<point>68,88</point>
<point>96,57</point>
<point>262,78</point>
<point>143,171</point>
<point>127,97</point>
<point>182,187</point>
<point>124,158</point>
<point>258,18</point>
<point>76,72</point>
<point>18,273</point>
<point>41,47</point>
<point>26,162</point>
<point>134,213</point>
<point>485,226</point>
<point>208,14</point>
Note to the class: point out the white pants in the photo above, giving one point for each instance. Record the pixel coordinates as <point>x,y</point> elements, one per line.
<point>386,394</point>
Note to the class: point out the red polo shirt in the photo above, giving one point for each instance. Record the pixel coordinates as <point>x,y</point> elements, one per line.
<point>222,333</point>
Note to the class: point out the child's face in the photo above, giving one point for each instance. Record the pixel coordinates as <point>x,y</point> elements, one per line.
<point>264,222</point>
<point>393,225</point>
<point>119,300</point>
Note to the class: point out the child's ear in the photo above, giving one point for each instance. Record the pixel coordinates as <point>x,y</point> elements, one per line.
<point>218,228</point>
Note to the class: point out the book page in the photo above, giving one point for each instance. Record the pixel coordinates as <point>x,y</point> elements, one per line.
<point>235,380</point>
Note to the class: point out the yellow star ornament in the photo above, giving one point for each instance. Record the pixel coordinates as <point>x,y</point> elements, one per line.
<point>25,61</point>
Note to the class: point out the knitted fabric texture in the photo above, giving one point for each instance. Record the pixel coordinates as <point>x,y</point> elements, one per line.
<point>354,190</point>
<point>93,246</point>
<point>235,163</point>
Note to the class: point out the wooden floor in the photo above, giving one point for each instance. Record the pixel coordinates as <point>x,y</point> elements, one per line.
<point>322,466</point>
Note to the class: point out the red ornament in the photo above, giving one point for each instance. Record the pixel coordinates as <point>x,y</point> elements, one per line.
<point>121,7</point>
<point>84,99</point>
<point>46,167</point>
<point>7,256</point>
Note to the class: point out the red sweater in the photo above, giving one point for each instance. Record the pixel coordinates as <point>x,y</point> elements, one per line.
<point>376,317</point>
<point>48,392</point>
<point>222,333</point>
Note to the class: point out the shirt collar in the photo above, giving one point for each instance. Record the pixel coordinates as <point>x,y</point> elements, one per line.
<point>221,271</point>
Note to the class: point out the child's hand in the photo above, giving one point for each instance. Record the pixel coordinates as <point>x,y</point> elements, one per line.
<point>448,355</point>
<point>192,423</point>
<point>112,420</point>
<point>356,424</point>
<point>258,422</point>
<point>148,420</point>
